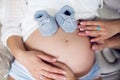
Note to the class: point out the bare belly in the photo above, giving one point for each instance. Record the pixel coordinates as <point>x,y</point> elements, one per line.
<point>69,48</point>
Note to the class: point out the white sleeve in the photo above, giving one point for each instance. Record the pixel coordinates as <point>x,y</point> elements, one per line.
<point>11,20</point>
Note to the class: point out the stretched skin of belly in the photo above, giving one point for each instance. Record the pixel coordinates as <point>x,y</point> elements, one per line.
<point>69,48</point>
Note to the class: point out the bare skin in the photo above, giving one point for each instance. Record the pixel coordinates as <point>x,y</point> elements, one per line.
<point>60,45</point>
<point>108,30</point>
<point>32,59</point>
<point>10,78</point>
<point>113,42</point>
<point>39,48</point>
<point>68,76</point>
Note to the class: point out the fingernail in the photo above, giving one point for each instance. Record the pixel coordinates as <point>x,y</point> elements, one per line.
<point>81,23</point>
<point>91,40</point>
<point>54,60</point>
<point>86,31</point>
<point>81,29</point>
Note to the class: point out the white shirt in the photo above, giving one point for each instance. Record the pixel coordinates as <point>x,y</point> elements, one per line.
<point>18,15</point>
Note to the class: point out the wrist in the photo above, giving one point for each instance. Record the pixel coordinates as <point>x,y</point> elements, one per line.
<point>74,77</point>
<point>112,43</point>
<point>19,53</point>
<point>117,26</point>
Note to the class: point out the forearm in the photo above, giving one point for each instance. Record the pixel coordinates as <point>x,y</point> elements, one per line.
<point>114,42</point>
<point>16,46</point>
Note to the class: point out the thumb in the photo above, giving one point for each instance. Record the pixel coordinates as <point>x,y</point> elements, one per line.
<point>98,47</point>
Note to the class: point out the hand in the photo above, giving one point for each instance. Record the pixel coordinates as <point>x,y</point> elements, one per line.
<point>69,74</point>
<point>113,42</point>
<point>107,29</point>
<point>33,61</point>
<point>100,45</point>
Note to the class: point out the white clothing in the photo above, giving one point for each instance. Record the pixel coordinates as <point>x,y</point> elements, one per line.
<point>18,15</point>
<point>114,4</point>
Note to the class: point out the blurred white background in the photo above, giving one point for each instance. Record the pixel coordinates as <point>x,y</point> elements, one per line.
<point>1,8</point>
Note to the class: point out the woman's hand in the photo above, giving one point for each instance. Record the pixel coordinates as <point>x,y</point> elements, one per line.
<point>34,61</point>
<point>69,74</point>
<point>100,30</point>
<point>37,64</point>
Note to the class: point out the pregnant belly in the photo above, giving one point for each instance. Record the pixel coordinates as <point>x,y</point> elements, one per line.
<point>67,47</point>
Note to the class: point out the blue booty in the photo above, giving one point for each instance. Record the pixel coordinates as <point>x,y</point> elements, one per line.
<point>47,24</point>
<point>65,18</point>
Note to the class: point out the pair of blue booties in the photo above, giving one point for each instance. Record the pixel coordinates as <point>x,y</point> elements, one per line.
<point>65,18</point>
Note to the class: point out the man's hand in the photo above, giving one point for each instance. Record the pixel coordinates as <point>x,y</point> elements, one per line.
<point>113,42</point>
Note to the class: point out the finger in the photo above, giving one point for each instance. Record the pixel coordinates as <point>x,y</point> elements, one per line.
<point>94,23</point>
<point>60,65</point>
<point>97,46</point>
<point>92,33</point>
<point>79,26</point>
<point>82,33</point>
<point>101,42</point>
<point>95,39</point>
<point>47,58</point>
<point>53,69</point>
<point>52,75</point>
<point>45,78</point>
<point>63,66</point>
<point>88,28</point>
